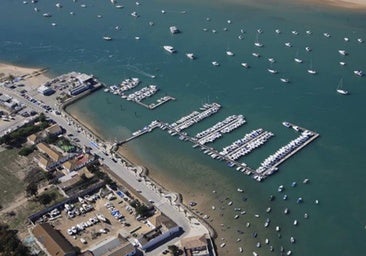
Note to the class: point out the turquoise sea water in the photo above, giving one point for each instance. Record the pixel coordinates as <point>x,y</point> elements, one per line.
<point>335,162</point>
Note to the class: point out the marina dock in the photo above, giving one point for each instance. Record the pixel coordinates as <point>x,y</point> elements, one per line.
<point>139,95</point>
<point>238,148</point>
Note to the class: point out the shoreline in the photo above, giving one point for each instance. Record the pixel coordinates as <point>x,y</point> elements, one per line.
<point>135,161</point>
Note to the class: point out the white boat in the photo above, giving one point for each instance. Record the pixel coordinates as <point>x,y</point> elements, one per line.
<point>288,44</point>
<point>308,32</point>
<point>107,38</point>
<point>222,245</point>
<point>58,5</point>
<point>36,9</point>
<point>83,5</point>
<point>240,190</point>
<point>259,31</point>
<point>278,31</point>
<point>256,54</point>
<point>298,60</point>
<point>53,24</point>
<point>240,249</point>
<point>284,80</point>
<point>286,124</point>
<point>119,6</point>
<point>294,32</point>
<point>47,15</point>
<point>236,216</point>
<point>292,239</point>
<point>308,49</point>
<point>343,52</point>
<point>101,217</point>
<point>244,64</point>
<point>272,60</point>
<point>257,43</point>
<point>311,70</point>
<point>358,73</point>
<point>295,222</point>
<point>327,35</point>
<point>174,30</point>
<point>134,14</point>
<point>169,48</point>
<point>339,88</point>
<point>346,39</point>
<point>190,56</point>
<point>163,11</point>
<point>288,253</point>
<point>229,53</point>
<point>278,228</point>
<point>360,40</point>
<point>215,63</point>
<point>272,71</point>
<point>342,63</point>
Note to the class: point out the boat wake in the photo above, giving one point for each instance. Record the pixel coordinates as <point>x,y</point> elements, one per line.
<point>138,71</point>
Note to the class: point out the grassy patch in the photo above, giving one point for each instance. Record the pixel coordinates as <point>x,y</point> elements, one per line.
<point>20,219</point>
<point>11,183</point>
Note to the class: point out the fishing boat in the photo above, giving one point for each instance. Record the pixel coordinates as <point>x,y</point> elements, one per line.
<point>229,53</point>
<point>294,32</point>
<point>342,63</point>
<point>215,63</point>
<point>308,32</point>
<point>297,59</point>
<point>360,40</point>
<point>308,49</point>
<point>169,48</point>
<point>327,35</point>
<point>240,190</point>
<point>47,15</point>
<point>278,31</point>
<point>256,54</point>
<point>339,88</point>
<point>272,60</point>
<point>295,222</point>
<point>58,5</point>
<point>284,80</point>
<point>346,39</point>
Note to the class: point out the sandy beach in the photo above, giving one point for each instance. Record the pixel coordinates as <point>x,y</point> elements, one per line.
<point>35,77</point>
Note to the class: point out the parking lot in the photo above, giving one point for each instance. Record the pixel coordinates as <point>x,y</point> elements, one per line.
<point>106,219</point>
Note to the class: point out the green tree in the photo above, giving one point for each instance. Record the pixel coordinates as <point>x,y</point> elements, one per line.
<point>9,242</point>
<point>31,189</point>
<point>174,249</point>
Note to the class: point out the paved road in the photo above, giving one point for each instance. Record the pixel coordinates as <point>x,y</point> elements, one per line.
<point>191,228</point>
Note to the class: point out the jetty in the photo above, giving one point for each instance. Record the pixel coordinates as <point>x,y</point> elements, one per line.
<point>237,149</point>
